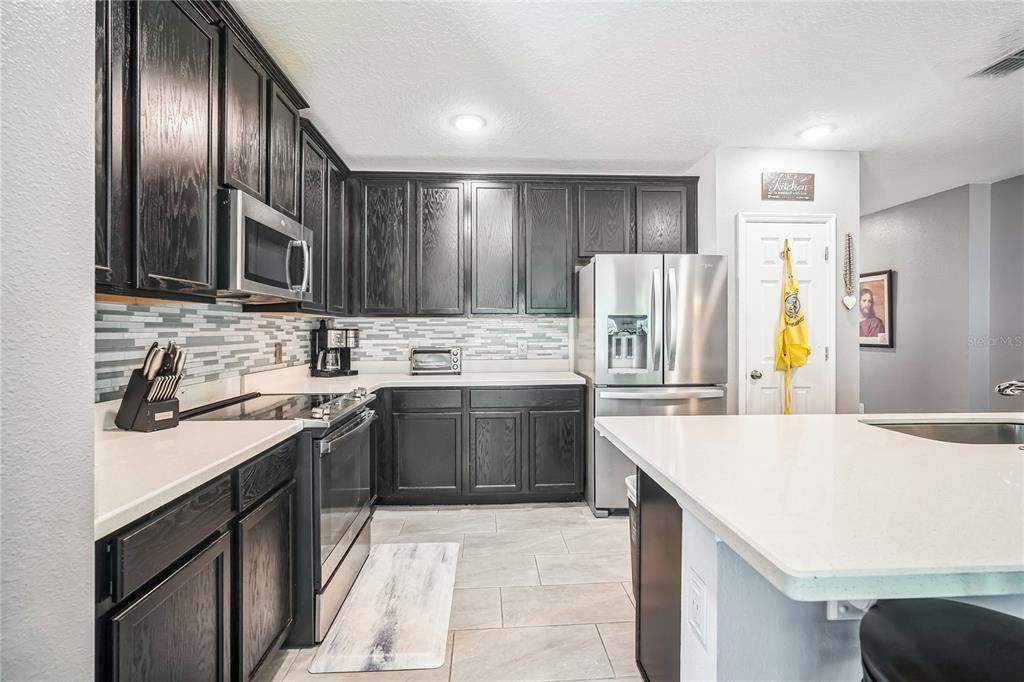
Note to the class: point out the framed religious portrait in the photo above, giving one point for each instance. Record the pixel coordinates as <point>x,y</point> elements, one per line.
<point>875,304</point>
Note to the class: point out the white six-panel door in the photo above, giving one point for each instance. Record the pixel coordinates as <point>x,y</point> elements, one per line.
<point>759,245</point>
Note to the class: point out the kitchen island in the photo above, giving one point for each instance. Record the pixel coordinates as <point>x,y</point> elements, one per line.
<point>788,523</point>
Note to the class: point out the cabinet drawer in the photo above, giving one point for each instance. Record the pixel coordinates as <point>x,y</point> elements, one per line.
<point>429,399</point>
<point>266,472</point>
<point>144,551</point>
<point>524,397</point>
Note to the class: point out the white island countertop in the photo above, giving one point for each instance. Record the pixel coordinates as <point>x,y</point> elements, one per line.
<point>828,507</point>
<point>137,473</point>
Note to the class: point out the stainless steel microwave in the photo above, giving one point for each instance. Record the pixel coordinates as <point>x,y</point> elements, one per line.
<point>435,361</point>
<point>263,255</point>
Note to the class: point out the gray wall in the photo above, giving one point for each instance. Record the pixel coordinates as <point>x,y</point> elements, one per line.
<point>926,243</point>
<point>1006,347</point>
<point>46,344</point>
<point>959,327</point>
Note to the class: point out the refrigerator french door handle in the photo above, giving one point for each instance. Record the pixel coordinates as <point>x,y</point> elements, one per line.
<point>672,394</point>
<point>656,331</point>
<point>670,323</point>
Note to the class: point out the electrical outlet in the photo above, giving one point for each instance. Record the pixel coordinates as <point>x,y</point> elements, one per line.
<point>522,347</point>
<point>697,607</point>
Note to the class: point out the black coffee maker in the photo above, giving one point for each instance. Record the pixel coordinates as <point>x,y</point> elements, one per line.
<point>331,351</point>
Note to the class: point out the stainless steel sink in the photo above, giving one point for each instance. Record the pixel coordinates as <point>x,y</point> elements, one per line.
<point>971,433</point>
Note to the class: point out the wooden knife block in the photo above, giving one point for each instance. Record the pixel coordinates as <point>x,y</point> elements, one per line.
<point>138,414</point>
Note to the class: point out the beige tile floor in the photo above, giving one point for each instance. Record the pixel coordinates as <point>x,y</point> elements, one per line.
<point>543,594</point>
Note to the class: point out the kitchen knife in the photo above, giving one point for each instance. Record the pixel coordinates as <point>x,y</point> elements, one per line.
<point>147,364</point>
<point>154,369</point>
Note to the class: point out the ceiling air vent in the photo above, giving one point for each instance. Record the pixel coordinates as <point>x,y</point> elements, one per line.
<point>1003,66</point>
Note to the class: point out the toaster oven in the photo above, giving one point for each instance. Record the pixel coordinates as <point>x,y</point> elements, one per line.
<point>435,361</point>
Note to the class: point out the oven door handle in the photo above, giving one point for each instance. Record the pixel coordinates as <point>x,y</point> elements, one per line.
<point>358,426</point>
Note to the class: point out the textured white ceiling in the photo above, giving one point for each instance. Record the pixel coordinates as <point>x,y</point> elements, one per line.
<point>650,87</point>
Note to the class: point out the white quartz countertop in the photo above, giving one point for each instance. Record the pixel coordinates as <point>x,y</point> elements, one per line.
<point>139,472</point>
<point>301,382</point>
<point>827,507</point>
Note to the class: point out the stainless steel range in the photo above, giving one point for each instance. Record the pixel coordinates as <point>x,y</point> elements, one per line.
<point>334,497</point>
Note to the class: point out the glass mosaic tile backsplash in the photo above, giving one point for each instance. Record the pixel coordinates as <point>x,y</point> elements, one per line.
<point>222,341</point>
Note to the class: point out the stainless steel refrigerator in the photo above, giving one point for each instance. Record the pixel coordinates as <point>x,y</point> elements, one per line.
<point>650,340</point>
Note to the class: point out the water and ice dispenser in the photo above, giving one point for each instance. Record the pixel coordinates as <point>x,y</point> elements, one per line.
<point>627,343</point>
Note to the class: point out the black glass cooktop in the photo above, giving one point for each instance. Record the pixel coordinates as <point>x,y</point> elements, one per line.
<point>267,407</point>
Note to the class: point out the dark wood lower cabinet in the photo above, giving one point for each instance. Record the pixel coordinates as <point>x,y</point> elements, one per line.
<point>553,443</point>
<point>264,598</point>
<point>428,452</point>
<point>204,587</point>
<point>481,445</point>
<point>659,592</point>
<point>495,452</point>
<point>180,629</point>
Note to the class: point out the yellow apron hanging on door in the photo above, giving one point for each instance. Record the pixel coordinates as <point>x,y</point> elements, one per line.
<point>791,349</point>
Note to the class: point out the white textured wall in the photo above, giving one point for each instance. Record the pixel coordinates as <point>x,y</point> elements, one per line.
<point>46,412</point>
<point>737,189</point>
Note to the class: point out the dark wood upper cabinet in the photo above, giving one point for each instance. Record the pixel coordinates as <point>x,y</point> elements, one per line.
<point>661,217</point>
<point>177,60</point>
<point>605,221</point>
<point>440,239</point>
<point>384,252</point>
<point>113,209</point>
<point>243,119</point>
<point>548,210</point>
<point>180,629</point>
<point>314,214</point>
<point>265,602</point>
<point>283,154</point>
<point>494,281</point>
<point>338,247</point>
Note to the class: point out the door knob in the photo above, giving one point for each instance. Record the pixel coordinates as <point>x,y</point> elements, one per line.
<point>755,375</point>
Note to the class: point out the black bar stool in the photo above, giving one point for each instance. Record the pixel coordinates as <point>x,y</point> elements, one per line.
<point>906,640</point>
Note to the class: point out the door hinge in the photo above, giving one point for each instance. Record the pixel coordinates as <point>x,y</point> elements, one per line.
<point>826,353</point>
<point>826,254</point>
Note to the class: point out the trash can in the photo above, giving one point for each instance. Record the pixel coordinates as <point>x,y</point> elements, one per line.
<point>634,531</point>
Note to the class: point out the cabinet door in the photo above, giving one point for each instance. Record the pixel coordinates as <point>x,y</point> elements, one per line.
<point>283,154</point>
<point>337,243</point>
<point>113,214</point>
<point>495,452</point>
<point>440,280</point>
<point>549,217</point>
<point>659,592</point>
<point>606,214</point>
<point>177,55</point>
<point>661,219</point>
<point>495,235</point>
<point>179,630</point>
<point>264,597</point>
<point>243,119</point>
<point>385,234</point>
<point>314,187</point>
<point>427,452</point>
<point>555,448</point>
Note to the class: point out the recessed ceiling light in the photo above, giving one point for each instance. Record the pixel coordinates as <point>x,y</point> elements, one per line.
<point>817,132</point>
<point>468,123</point>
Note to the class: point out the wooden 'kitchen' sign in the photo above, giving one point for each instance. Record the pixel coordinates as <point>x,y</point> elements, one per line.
<point>787,186</point>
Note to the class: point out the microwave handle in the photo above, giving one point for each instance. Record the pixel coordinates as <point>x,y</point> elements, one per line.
<point>288,264</point>
<point>306,274</point>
